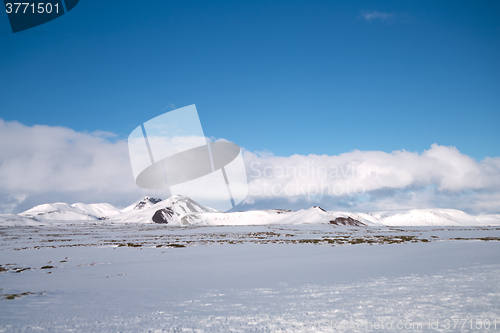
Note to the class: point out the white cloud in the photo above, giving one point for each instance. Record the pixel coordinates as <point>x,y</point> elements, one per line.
<point>169,106</point>
<point>373,180</point>
<point>43,164</point>
<point>375,15</point>
<point>388,18</point>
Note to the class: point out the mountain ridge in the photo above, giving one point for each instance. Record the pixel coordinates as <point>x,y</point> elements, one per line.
<point>183,211</point>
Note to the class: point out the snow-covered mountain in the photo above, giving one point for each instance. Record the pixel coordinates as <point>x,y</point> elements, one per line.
<point>78,211</point>
<point>179,210</point>
<point>141,204</point>
<point>415,217</point>
<point>175,207</point>
<point>270,216</point>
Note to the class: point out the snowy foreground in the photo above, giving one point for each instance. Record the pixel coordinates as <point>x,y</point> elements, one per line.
<point>97,268</point>
<point>105,276</point>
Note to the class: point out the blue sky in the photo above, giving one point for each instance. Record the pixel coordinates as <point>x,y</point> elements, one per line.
<point>305,77</point>
<point>410,89</point>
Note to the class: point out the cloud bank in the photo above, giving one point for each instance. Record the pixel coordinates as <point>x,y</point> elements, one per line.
<point>42,164</point>
<point>373,180</point>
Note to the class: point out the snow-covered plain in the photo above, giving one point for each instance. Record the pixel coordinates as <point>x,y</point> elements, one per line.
<point>133,277</point>
<point>91,275</point>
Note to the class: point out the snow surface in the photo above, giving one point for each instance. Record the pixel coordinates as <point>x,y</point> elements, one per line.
<point>96,268</point>
<point>109,276</point>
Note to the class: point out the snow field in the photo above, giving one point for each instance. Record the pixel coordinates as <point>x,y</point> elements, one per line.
<point>244,286</point>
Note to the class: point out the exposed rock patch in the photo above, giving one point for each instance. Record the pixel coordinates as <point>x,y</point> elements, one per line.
<point>347,221</point>
<point>164,215</point>
<point>147,200</point>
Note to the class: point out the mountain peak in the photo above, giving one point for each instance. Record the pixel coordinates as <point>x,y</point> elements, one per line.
<point>146,202</point>
<point>177,197</point>
<point>318,207</point>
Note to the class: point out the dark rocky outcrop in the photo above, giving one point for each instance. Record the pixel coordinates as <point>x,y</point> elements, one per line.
<point>347,221</point>
<point>163,215</point>
<point>147,199</point>
<point>281,211</point>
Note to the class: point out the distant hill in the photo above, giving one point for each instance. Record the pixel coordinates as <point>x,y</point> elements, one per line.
<point>182,211</point>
